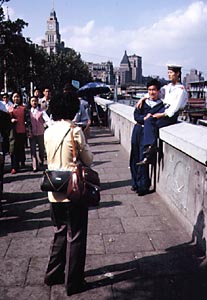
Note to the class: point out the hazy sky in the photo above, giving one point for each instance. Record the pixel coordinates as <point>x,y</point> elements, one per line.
<point>160,31</point>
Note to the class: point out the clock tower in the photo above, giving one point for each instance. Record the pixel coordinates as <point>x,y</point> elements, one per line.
<point>52,42</point>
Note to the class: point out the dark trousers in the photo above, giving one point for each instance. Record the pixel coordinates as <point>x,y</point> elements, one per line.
<point>140,174</point>
<point>19,150</point>
<point>151,126</point>
<point>68,248</point>
<point>37,140</point>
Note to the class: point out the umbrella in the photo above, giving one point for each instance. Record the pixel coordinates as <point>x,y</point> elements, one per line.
<point>93,88</point>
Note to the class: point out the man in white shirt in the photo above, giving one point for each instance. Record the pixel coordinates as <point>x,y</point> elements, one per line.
<point>174,97</point>
<point>45,101</point>
<point>5,101</point>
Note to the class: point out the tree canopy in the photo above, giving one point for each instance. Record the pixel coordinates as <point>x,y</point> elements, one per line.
<point>25,62</point>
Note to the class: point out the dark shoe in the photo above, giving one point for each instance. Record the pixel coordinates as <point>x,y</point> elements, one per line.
<point>54,281</point>
<point>77,288</point>
<point>143,193</point>
<point>35,170</point>
<point>134,188</point>
<point>145,161</point>
<point>150,150</point>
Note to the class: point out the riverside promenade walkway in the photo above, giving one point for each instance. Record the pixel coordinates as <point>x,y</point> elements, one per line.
<point>137,250</point>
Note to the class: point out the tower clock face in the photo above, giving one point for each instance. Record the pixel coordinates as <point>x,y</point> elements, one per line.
<point>51,26</point>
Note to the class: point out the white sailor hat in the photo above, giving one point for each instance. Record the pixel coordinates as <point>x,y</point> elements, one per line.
<point>175,68</point>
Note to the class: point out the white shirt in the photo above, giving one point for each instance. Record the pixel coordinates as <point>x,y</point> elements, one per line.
<point>174,96</point>
<point>152,103</point>
<point>7,104</point>
<point>45,116</point>
<point>44,104</point>
<point>2,106</point>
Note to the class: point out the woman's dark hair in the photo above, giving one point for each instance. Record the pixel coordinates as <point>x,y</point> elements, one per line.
<point>20,95</point>
<point>64,106</point>
<point>29,102</point>
<point>154,82</point>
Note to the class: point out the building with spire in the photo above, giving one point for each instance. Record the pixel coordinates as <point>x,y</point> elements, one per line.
<point>125,71</point>
<point>130,70</point>
<point>52,42</point>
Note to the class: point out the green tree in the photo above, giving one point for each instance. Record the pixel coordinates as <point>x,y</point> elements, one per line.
<point>27,62</point>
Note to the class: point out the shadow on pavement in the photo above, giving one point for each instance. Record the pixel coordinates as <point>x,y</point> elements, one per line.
<point>174,275</point>
<point>24,212</point>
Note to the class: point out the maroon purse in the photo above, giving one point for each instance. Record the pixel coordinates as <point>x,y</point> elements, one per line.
<point>84,183</point>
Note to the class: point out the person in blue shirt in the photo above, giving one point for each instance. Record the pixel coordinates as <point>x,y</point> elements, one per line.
<point>140,174</point>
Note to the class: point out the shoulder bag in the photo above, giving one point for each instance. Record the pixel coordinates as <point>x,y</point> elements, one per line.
<point>84,183</point>
<point>56,180</point>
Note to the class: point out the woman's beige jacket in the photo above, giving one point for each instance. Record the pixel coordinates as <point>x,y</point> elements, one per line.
<point>63,159</point>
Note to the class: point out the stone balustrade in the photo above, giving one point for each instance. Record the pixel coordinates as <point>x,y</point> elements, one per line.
<point>181,176</point>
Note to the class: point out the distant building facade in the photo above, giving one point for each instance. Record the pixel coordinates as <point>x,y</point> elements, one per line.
<point>193,76</point>
<point>52,42</point>
<point>136,67</point>
<point>102,71</point>
<point>130,70</point>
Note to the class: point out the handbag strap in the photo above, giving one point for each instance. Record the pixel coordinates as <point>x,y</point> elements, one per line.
<point>60,143</point>
<point>73,148</point>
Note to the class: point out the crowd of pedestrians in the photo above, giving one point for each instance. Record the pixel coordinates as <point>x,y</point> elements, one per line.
<point>22,125</point>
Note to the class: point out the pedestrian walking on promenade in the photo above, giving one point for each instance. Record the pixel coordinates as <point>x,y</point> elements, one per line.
<point>82,118</point>
<point>5,101</point>
<point>21,129</point>
<point>68,249</point>
<point>4,133</point>
<point>39,119</point>
<point>45,101</point>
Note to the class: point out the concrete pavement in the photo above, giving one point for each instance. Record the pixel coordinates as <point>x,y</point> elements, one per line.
<point>136,248</point>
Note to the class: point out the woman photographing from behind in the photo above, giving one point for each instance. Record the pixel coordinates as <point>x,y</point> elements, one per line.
<point>68,249</point>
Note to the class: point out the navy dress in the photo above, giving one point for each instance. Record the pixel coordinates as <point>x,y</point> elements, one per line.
<point>141,181</point>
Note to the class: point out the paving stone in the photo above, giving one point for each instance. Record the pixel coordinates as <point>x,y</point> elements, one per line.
<point>143,224</point>
<point>115,190</point>
<point>28,247</point>
<point>18,228</point>
<point>125,242</point>
<point>101,226</point>
<point>106,198</point>
<point>45,230</point>
<point>145,208</point>
<point>102,293</point>
<point>4,244</point>
<point>161,240</point>
<point>104,263</point>
<point>123,211</point>
<point>95,244</point>
<point>26,293</point>
<point>93,213</point>
<point>36,271</point>
<point>126,198</point>
<point>13,271</point>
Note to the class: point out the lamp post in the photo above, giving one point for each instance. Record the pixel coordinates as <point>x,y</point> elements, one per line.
<point>116,87</point>
<point>31,81</point>
<point>5,76</point>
